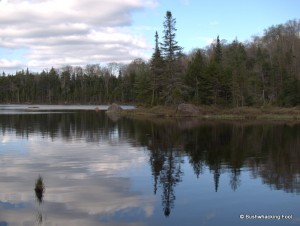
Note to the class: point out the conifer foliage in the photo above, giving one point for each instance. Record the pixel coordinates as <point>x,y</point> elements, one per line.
<point>172,54</point>
<point>157,69</point>
<point>265,71</point>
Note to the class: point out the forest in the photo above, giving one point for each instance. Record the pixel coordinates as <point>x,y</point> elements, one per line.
<point>260,72</point>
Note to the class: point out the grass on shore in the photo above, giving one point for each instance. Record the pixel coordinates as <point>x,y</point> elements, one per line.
<point>213,112</point>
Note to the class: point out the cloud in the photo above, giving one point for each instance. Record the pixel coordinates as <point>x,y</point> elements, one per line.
<point>185,2</point>
<point>206,40</point>
<point>10,64</point>
<point>90,185</point>
<point>214,23</point>
<point>74,32</point>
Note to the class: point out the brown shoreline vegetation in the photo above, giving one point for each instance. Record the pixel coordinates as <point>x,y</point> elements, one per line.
<point>218,113</point>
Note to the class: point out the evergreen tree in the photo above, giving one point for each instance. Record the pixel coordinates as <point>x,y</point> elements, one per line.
<point>142,84</point>
<point>157,68</point>
<point>221,81</point>
<point>171,52</point>
<point>198,81</point>
<point>218,52</point>
<point>236,64</point>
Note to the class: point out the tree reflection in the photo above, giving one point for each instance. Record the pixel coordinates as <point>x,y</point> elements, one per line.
<point>39,189</point>
<point>270,151</point>
<point>170,175</point>
<point>216,172</point>
<point>39,218</point>
<point>235,181</point>
<point>165,160</point>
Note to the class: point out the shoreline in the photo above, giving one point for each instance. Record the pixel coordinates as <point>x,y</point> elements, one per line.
<point>171,111</point>
<point>217,113</point>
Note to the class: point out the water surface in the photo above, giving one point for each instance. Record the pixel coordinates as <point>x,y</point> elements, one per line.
<point>100,170</point>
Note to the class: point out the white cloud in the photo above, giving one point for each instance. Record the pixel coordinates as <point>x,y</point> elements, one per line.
<point>80,185</point>
<point>206,40</point>
<point>214,23</point>
<point>10,64</point>
<point>185,2</point>
<point>57,33</point>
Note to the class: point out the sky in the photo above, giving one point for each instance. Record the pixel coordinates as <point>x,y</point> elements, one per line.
<point>40,34</point>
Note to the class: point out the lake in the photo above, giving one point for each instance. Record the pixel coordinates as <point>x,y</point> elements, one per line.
<point>96,169</point>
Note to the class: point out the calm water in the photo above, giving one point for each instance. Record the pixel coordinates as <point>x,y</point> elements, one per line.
<point>98,170</point>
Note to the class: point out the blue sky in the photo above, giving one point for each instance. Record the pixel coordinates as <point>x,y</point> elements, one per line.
<point>45,33</point>
<point>200,21</point>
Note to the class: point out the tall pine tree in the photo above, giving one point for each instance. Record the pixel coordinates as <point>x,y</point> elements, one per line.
<point>198,80</point>
<point>157,69</point>
<point>221,80</point>
<point>171,52</point>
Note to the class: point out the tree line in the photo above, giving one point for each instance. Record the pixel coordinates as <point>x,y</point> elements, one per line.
<point>263,71</point>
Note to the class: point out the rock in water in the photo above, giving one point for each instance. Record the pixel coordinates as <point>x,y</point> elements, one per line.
<point>114,108</point>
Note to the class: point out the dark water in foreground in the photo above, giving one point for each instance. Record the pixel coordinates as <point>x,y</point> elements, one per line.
<point>98,170</point>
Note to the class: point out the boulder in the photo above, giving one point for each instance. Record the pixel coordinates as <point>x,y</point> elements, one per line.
<point>188,109</point>
<point>114,108</point>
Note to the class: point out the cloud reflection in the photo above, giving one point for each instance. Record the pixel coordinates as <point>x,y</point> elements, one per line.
<point>84,186</point>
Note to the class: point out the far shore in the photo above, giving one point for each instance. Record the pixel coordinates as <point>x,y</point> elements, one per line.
<point>218,113</point>
<point>66,106</point>
<point>171,111</point>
